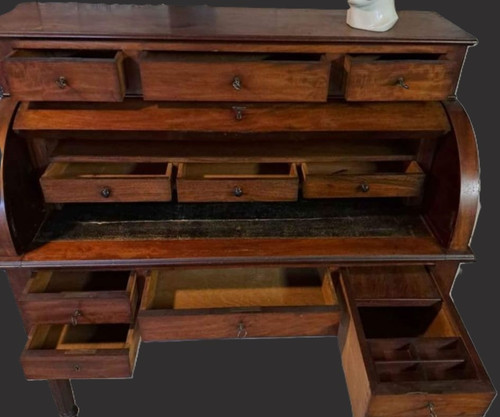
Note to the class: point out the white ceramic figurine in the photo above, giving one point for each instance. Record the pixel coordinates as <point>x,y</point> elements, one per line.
<point>374,15</point>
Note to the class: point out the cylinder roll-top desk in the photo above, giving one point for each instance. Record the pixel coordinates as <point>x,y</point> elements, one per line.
<point>181,173</point>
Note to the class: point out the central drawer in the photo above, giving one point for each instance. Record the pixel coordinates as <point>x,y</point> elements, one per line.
<point>107,182</point>
<point>180,304</point>
<point>79,297</point>
<point>234,77</point>
<point>85,351</point>
<point>206,182</point>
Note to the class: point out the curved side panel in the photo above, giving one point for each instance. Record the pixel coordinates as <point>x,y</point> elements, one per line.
<point>7,109</point>
<point>21,200</point>
<point>452,198</point>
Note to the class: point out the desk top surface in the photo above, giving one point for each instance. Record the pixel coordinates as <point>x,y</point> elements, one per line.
<point>204,23</point>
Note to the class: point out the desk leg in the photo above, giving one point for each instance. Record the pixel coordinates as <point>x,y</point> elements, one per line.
<point>62,392</point>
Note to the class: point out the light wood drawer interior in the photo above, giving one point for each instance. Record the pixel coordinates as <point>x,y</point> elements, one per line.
<point>234,77</point>
<point>65,75</point>
<point>394,77</point>
<point>233,182</point>
<point>237,302</point>
<point>83,351</point>
<point>106,182</point>
<point>416,350</point>
<point>78,297</point>
<point>359,179</point>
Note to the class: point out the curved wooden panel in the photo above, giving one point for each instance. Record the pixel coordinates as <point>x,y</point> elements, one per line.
<point>7,109</point>
<point>21,200</point>
<point>452,199</point>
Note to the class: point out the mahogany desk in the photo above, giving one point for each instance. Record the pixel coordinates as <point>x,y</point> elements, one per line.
<point>179,173</point>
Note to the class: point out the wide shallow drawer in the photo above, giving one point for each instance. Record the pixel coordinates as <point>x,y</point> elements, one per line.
<point>80,297</point>
<point>231,182</point>
<point>362,179</point>
<point>65,75</point>
<point>234,77</point>
<point>236,303</point>
<point>398,78</point>
<point>80,182</point>
<point>80,352</point>
<point>403,357</point>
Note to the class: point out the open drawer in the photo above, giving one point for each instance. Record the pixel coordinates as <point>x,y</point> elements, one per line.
<point>80,352</point>
<point>234,77</point>
<point>404,358</point>
<point>392,77</point>
<point>111,182</point>
<point>65,75</point>
<point>362,179</point>
<point>231,182</point>
<point>61,297</point>
<point>180,304</point>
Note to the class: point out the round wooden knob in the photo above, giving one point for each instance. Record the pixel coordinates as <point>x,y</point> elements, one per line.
<point>106,192</point>
<point>237,191</point>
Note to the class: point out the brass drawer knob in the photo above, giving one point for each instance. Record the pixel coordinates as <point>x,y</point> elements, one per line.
<point>237,191</point>
<point>402,83</point>
<point>62,82</point>
<point>242,331</point>
<point>237,83</point>
<point>432,412</point>
<point>238,113</point>
<point>364,187</point>
<point>74,317</point>
<point>106,192</point>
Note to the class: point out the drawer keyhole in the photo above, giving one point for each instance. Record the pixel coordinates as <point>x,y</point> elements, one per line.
<point>237,83</point>
<point>237,191</point>
<point>402,83</point>
<point>75,316</point>
<point>242,331</point>
<point>62,82</point>
<point>238,113</point>
<point>106,192</point>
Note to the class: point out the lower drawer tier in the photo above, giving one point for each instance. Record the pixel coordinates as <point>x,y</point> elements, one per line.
<point>237,303</point>
<point>80,352</point>
<point>406,352</point>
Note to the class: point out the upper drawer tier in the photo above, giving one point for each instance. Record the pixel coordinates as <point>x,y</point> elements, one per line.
<point>234,77</point>
<point>65,75</point>
<point>398,78</point>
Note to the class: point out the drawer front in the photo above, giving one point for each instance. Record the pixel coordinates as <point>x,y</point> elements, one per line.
<point>237,190</point>
<point>270,81</point>
<point>75,188</point>
<point>398,80</point>
<point>47,356</point>
<point>409,184</point>
<point>40,77</point>
<point>237,182</point>
<point>78,307</point>
<point>169,325</point>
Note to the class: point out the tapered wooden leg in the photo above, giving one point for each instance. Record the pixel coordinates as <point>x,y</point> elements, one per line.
<point>62,392</point>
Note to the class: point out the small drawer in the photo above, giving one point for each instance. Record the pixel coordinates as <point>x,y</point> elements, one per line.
<point>234,77</point>
<point>362,179</point>
<point>231,182</point>
<point>83,297</point>
<point>86,351</point>
<point>398,78</point>
<point>65,75</point>
<point>236,303</point>
<point>417,353</point>
<point>82,182</point>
